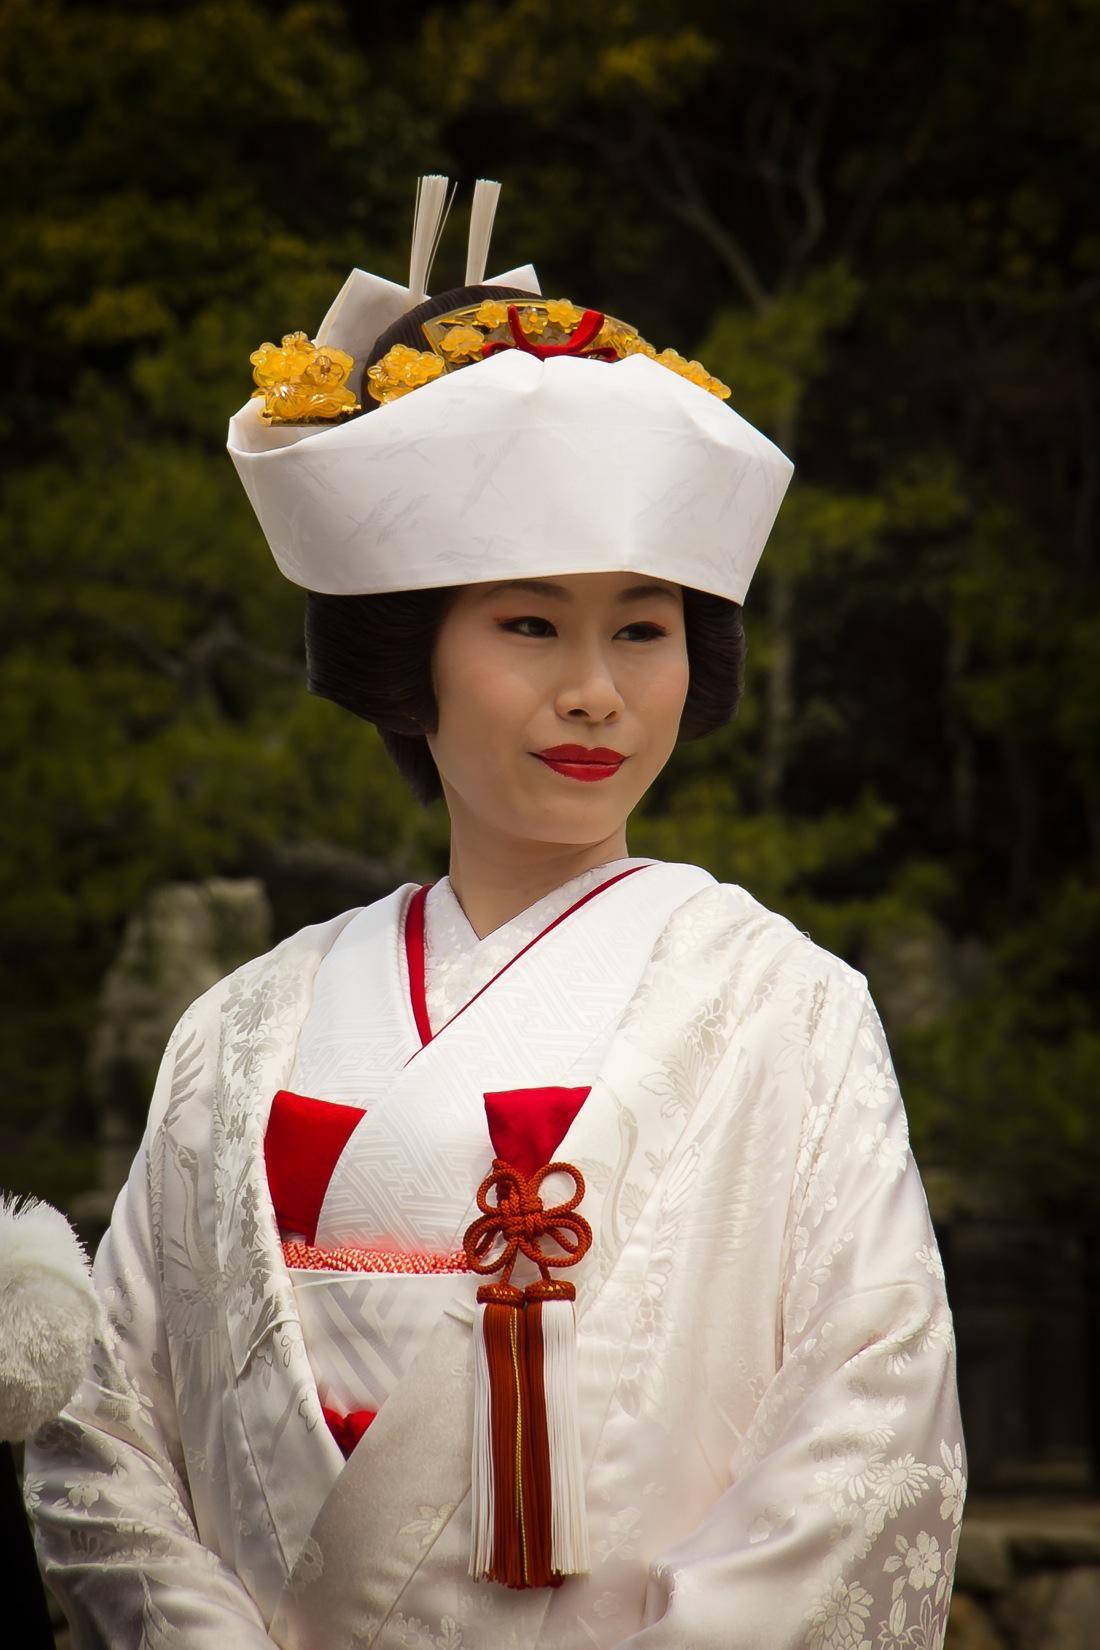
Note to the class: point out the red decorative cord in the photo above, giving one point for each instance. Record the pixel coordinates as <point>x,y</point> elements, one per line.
<point>587,328</point>
<point>521,1219</point>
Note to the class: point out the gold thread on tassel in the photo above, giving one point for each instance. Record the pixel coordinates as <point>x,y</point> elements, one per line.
<point>512,1329</point>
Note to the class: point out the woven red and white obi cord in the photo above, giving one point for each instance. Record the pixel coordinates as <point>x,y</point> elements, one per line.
<point>350,1258</point>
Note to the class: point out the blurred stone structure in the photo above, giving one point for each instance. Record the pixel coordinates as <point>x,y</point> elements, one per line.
<point>1028,1578</point>
<point>185,938</point>
<point>182,940</point>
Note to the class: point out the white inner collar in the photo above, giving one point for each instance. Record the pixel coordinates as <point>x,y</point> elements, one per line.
<point>458,963</point>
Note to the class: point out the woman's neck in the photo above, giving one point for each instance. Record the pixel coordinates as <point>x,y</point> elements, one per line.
<point>493,882</point>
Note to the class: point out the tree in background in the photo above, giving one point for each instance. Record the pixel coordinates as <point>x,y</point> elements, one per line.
<point>181,181</point>
<point>875,223</point>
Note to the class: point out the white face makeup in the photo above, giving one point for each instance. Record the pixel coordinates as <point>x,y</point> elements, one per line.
<point>592,660</point>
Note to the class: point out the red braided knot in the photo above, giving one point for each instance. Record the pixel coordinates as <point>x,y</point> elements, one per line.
<point>522,1221</point>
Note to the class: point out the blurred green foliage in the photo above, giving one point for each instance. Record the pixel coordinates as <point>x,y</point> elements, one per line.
<point>878,224</point>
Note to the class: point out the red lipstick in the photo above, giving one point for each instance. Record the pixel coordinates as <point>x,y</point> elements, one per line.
<point>584,762</point>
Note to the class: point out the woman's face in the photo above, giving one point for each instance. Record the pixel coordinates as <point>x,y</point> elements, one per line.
<point>595,660</point>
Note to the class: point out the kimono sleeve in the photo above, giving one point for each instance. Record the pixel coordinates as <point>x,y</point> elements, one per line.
<point>106,1483</point>
<point>841,1524</point>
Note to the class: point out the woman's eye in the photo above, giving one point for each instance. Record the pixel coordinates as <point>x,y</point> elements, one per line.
<point>650,631</point>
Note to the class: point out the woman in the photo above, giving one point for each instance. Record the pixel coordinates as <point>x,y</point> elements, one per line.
<point>534,1258</point>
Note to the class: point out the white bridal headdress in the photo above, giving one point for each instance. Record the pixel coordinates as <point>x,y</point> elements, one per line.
<point>526,438</point>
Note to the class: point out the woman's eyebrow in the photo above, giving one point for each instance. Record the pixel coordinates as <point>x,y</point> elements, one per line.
<point>540,587</point>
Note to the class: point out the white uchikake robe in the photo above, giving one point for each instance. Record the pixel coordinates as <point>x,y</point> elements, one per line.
<point>769,1415</point>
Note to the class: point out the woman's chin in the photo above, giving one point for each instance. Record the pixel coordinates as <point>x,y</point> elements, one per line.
<point>569,827</point>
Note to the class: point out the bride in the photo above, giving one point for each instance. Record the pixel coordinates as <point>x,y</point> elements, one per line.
<point>535,1257</point>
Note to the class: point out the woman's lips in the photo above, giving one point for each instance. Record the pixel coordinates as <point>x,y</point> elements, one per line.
<point>587,768</point>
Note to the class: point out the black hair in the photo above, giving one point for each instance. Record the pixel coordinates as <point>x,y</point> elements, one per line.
<point>372,654</point>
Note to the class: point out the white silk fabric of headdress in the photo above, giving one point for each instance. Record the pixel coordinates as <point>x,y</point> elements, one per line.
<point>511,467</point>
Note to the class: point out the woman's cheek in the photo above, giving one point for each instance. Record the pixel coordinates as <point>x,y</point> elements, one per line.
<point>669,696</point>
<point>484,685</point>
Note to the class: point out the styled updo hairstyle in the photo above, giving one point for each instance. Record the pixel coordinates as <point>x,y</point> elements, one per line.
<point>372,654</point>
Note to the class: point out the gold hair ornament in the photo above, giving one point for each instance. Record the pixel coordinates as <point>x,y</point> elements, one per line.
<point>547,327</point>
<point>303,383</point>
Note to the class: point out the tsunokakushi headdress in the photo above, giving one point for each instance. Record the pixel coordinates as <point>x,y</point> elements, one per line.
<point>526,436</point>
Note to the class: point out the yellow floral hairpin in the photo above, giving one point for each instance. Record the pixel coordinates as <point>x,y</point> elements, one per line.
<point>301,382</point>
<point>402,369</point>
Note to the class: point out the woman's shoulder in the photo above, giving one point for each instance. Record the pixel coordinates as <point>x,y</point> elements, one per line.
<point>293,958</point>
<point>795,955</point>
<point>257,999</point>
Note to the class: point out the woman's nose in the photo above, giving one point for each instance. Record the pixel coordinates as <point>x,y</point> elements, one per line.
<point>589,688</point>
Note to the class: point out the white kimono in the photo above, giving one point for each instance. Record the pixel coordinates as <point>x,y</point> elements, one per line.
<point>769,1416</point>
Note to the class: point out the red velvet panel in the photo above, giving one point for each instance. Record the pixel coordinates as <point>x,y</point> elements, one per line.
<point>348,1429</point>
<point>527,1126</point>
<point>303,1142</point>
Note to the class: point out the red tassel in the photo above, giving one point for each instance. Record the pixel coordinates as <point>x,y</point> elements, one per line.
<point>514,1516</point>
<point>502,1328</point>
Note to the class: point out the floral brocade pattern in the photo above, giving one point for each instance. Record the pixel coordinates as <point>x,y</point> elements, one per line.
<point>879,1495</point>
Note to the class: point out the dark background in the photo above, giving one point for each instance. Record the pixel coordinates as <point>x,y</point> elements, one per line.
<point>877,223</point>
